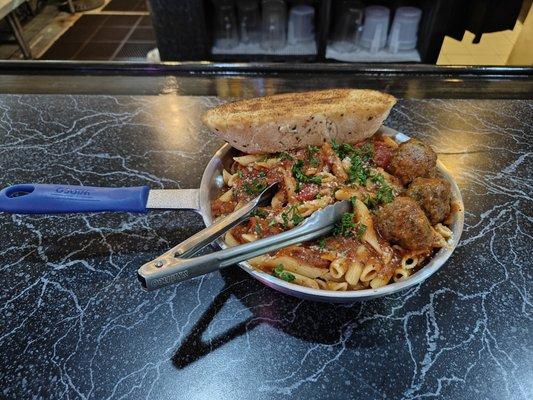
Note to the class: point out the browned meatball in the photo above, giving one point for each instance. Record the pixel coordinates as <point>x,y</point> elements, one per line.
<point>403,222</point>
<point>413,159</point>
<point>433,195</point>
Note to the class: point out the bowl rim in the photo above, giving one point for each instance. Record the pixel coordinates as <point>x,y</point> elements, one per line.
<point>437,261</point>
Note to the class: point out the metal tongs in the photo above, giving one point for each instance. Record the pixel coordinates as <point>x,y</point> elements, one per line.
<point>174,266</point>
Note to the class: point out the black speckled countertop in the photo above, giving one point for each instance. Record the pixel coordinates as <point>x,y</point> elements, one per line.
<point>75,324</point>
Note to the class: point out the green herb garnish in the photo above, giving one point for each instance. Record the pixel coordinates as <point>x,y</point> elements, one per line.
<point>346,226</point>
<point>239,173</point>
<point>283,155</point>
<point>301,177</point>
<point>279,272</point>
<point>258,212</point>
<point>257,228</point>
<point>257,186</point>
<point>296,218</point>
<point>322,243</point>
<point>384,195</point>
<point>293,215</point>
<point>285,219</point>
<point>357,172</point>
<point>311,151</point>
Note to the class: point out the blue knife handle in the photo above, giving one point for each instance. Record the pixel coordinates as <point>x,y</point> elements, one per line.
<point>33,198</point>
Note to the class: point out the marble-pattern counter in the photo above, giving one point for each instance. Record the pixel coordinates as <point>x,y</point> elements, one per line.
<point>75,323</point>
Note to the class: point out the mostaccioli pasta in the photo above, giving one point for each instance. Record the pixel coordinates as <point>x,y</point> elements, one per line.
<point>386,237</point>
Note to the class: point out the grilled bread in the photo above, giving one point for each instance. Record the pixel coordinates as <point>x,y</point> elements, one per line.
<point>294,120</point>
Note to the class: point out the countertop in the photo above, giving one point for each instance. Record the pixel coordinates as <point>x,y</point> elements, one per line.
<point>75,323</point>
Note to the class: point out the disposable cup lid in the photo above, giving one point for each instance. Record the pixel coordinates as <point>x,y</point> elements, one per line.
<point>302,10</point>
<point>409,12</point>
<point>376,12</point>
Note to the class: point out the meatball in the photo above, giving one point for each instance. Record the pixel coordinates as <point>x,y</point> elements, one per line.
<point>413,159</point>
<point>403,222</point>
<point>433,195</point>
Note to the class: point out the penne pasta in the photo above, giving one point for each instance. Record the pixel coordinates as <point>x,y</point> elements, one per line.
<point>268,163</point>
<point>444,231</point>
<point>326,177</point>
<point>400,274</point>
<point>378,282</point>
<point>338,267</point>
<point>355,268</point>
<point>230,239</point>
<point>227,196</point>
<point>305,281</point>
<point>296,266</point>
<point>309,207</point>
<point>409,261</point>
<point>248,159</point>
<point>347,193</point>
<point>362,215</point>
<point>369,272</point>
<point>337,286</point>
<point>278,200</point>
<point>226,176</point>
<point>247,237</point>
<point>322,284</point>
<point>354,255</point>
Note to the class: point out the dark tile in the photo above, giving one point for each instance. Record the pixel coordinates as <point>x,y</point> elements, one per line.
<point>126,5</point>
<point>92,19</point>
<point>79,33</point>
<point>134,51</point>
<point>97,51</point>
<point>110,34</point>
<point>146,21</point>
<point>61,51</point>
<point>142,35</point>
<point>142,6</point>
<point>122,20</point>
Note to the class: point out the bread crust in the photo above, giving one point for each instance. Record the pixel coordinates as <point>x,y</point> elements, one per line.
<point>294,120</point>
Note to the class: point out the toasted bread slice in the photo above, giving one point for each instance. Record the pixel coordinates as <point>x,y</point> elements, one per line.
<point>294,120</point>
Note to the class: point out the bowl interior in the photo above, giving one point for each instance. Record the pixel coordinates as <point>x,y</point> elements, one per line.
<point>211,187</point>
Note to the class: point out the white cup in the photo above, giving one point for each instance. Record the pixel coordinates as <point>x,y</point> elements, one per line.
<point>404,30</point>
<point>301,26</point>
<point>375,28</point>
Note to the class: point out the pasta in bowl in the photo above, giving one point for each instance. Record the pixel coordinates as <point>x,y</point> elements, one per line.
<point>406,220</point>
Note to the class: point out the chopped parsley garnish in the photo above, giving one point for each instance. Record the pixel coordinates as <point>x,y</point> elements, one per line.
<point>296,218</point>
<point>293,215</point>
<point>257,228</point>
<point>285,219</point>
<point>322,243</point>
<point>346,226</point>
<point>357,172</point>
<point>301,177</point>
<point>342,149</point>
<point>384,194</point>
<point>257,186</point>
<point>283,155</point>
<point>239,173</point>
<point>279,272</point>
<point>361,229</point>
<point>258,212</point>
<point>311,151</point>
<point>360,158</point>
<point>366,151</point>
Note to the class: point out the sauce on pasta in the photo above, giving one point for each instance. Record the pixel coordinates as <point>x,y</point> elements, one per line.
<point>385,238</point>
